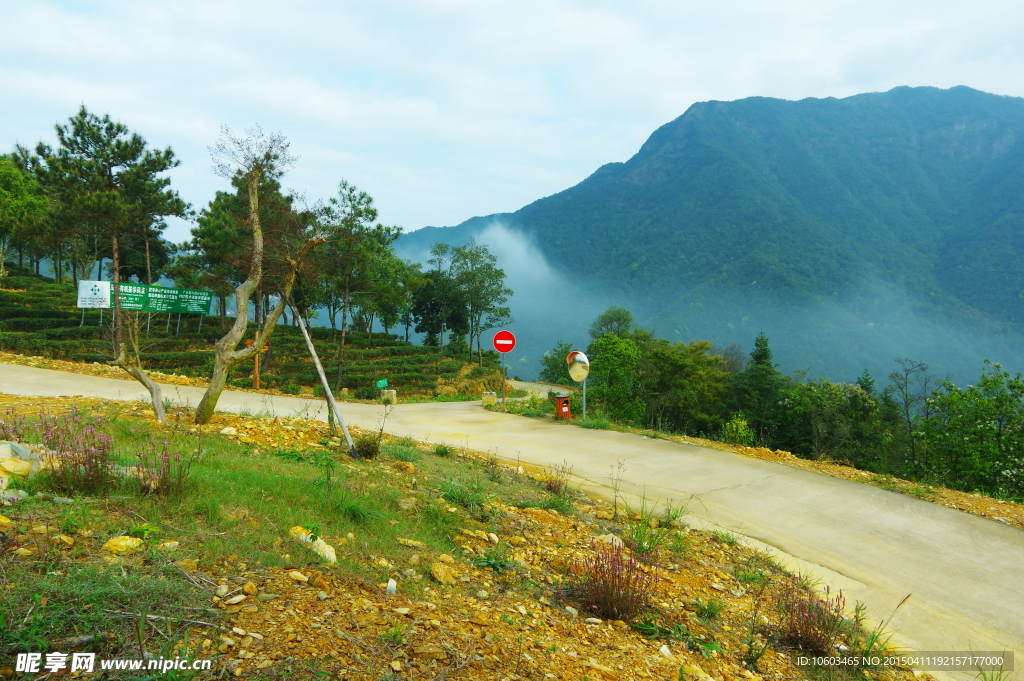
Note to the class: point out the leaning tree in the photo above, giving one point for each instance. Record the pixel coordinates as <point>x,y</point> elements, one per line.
<point>249,158</point>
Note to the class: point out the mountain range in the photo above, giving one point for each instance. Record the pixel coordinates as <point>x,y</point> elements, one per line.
<point>852,231</point>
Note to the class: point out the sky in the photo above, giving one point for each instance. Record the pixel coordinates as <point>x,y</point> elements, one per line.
<point>447,109</point>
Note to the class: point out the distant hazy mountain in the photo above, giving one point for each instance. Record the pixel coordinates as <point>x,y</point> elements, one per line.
<point>851,230</point>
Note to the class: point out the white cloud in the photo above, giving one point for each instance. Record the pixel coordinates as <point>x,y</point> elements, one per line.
<point>446,109</point>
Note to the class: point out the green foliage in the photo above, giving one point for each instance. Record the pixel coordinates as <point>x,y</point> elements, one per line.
<point>974,437</point>
<point>682,385</point>
<point>553,368</point>
<point>615,378</point>
<point>617,321</point>
<point>737,432</point>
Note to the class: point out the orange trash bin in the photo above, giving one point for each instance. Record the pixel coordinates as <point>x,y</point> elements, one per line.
<point>562,407</point>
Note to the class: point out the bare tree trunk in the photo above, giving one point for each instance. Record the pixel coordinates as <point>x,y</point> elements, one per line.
<point>132,363</point>
<point>116,287</point>
<point>341,346</point>
<point>149,270</point>
<point>225,355</point>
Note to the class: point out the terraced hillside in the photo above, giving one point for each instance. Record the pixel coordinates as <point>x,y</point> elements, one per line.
<point>38,317</point>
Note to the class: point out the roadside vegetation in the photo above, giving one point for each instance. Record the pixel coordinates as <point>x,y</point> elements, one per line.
<point>494,569</point>
<point>919,430</point>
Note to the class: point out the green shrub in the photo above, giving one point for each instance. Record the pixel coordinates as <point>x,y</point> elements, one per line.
<point>367,446</point>
<point>738,432</point>
<point>367,392</point>
<point>449,366</point>
<point>290,389</point>
<point>442,450</point>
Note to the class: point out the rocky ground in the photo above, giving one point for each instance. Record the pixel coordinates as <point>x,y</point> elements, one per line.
<point>485,601</point>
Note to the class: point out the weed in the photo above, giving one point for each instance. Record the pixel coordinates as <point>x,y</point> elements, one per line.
<point>596,423</point>
<point>160,471</point>
<point>496,559</point>
<point>493,468</point>
<point>646,534</point>
<point>680,544</point>
<point>442,450</point>
<point>468,494</point>
<point>745,576</point>
<point>757,645</point>
<point>708,610</point>
<point>395,635</point>
<point>993,674</point>
<point>810,622</point>
<point>875,642</point>
<point>611,584</point>
<point>649,628</point>
<point>557,480</point>
<point>145,531</point>
<point>82,459</point>
<point>727,538</point>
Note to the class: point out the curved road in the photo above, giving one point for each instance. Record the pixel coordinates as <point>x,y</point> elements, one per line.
<point>966,573</point>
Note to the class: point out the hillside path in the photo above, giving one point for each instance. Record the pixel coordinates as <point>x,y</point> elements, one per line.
<point>966,573</point>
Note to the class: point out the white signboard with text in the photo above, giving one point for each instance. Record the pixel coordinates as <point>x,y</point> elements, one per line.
<point>94,294</point>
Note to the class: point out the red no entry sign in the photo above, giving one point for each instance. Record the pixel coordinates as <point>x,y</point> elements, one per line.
<point>504,341</point>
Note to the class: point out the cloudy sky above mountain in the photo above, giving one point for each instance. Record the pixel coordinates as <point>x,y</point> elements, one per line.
<point>445,109</point>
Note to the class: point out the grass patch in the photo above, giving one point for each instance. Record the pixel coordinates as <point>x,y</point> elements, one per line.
<point>913,489</point>
<point>45,606</point>
<point>709,609</point>
<point>466,493</point>
<point>596,423</point>
<point>554,502</point>
<point>401,452</point>
<point>727,538</point>
<point>647,533</point>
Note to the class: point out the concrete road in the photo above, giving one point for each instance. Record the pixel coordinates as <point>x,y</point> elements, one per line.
<point>965,573</point>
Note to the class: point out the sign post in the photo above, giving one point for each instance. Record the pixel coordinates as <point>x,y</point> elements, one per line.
<point>504,342</point>
<point>579,369</point>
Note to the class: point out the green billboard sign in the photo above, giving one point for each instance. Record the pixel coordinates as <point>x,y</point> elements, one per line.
<point>145,298</point>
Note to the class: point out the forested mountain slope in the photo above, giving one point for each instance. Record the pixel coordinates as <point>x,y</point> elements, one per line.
<point>853,229</point>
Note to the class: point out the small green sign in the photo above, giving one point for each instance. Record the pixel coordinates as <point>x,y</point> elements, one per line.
<point>382,383</point>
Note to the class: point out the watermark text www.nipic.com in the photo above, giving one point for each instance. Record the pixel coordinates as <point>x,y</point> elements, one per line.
<point>926,661</point>
<point>33,663</point>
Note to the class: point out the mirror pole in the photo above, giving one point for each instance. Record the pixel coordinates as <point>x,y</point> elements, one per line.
<point>584,399</point>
